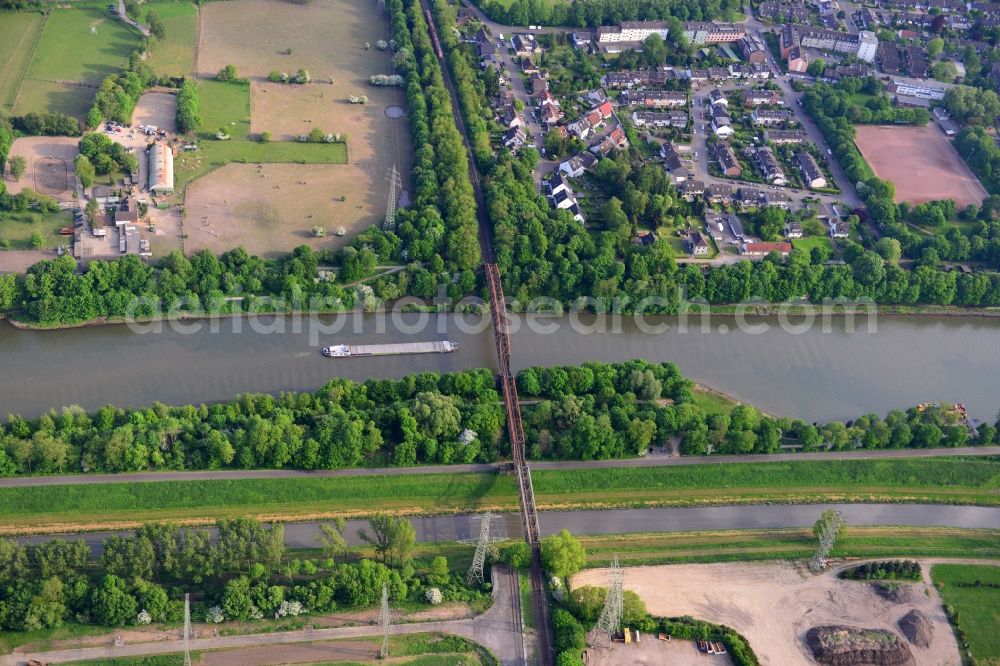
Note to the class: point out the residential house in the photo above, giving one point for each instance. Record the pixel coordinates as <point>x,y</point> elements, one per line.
<point>677,119</point>
<point>696,244</point>
<point>631,31</point>
<point>796,60</point>
<point>764,249</point>
<point>812,175</point>
<point>793,230</point>
<point>653,99</point>
<point>728,163</point>
<point>673,165</point>
<point>782,137</point>
<point>839,228</point>
<point>616,140</point>
<point>776,200</point>
<point>692,189</point>
<point>581,129</point>
<point>605,109</point>
<point>581,40</point>
<point>514,138</point>
<point>753,48</point>
<point>721,123</point>
<point>769,117</point>
<point>537,84</point>
<point>703,32</point>
<point>719,194</point>
<point>788,40</point>
<point>509,117</point>
<point>718,98</point>
<point>577,165</point>
<point>524,44</point>
<point>759,97</point>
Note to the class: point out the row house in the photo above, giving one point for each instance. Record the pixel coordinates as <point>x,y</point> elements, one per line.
<point>653,99</point>
<point>704,32</point>
<point>692,189</point>
<point>616,140</point>
<point>524,44</point>
<point>760,97</point>
<point>863,45</point>
<point>769,166</point>
<point>812,175</point>
<point>717,97</point>
<point>631,31</point>
<point>678,119</point>
<point>721,123</point>
<point>756,70</point>
<point>781,12</point>
<point>726,158</point>
<point>770,116</point>
<point>514,138</point>
<point>784,137</point>
<point>719,194</point>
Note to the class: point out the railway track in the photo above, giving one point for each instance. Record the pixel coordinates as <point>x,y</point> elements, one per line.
<point>529,514</point>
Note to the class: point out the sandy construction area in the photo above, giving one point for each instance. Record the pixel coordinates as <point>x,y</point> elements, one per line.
<point>651,651</point>
<point>773,604</point>
<point>50,165</point>
<point>271,208</point>
<point>920,162</point>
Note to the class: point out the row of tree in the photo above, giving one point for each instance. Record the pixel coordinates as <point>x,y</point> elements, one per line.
<point>595,13</point>
<point>427,418</point>
<point>239,572</point>
<point>188,119</point>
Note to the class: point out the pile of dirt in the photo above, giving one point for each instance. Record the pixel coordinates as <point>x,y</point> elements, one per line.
<point>850,646</point>
<point>917,628</point>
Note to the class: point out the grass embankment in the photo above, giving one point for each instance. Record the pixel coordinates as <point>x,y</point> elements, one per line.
<point>971,594</point>
<point>792,543</point>
<point>941,480</point>
<point>429,649</point>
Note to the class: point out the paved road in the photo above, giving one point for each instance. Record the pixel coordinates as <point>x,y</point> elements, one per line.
<point>499,629</point>
<point>629,521</point>
<point>657,460</point>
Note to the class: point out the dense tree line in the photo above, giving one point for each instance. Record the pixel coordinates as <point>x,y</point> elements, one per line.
<point>119,93</point>
<point>107,155</point>
<point>594,13</point>
<point>600,410</point>
<point>188,119</point>
<point>890,569</point>
<point>47,123</point>
<point>242,573</point>
<point>427,418</point>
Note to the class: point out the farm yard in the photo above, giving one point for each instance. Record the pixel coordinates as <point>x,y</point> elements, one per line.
<point>50,165</point>
<point>773,604</point>
<point>920,162</point>
<point>77,49</point>
<point>174,55</point>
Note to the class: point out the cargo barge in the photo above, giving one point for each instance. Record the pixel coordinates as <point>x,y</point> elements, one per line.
<point>392,349</point>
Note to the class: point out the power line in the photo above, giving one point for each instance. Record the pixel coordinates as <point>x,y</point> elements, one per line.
<point>390,204</point>
<point>610,621</point>
<point>383,618</point>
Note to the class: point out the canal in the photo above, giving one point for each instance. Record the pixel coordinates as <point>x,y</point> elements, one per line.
<point>820,373</point>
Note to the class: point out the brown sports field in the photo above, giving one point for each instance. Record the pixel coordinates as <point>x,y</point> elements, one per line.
<point>920,162</point>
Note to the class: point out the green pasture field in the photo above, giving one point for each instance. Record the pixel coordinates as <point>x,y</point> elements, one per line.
<point>17,228</point>
<point>69,51</point>
<point>18,33</point>
<point>174,55</point>
<point>973,592</point>
<point>224,105</point>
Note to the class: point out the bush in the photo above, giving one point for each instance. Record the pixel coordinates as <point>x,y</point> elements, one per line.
<point>229,74</point>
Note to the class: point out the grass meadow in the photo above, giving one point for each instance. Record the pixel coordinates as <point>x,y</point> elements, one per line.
<point>18,33</point>
<point>948,480</point>
<point>973,593</point>
<point>17,228</point>
<point>174,55</point>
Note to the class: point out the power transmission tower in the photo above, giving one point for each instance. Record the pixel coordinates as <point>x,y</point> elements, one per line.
<point>383,619</point>
<point>610,620</point>
<point>485,544</point>
<point>187,629</point>
<point>390,206</point>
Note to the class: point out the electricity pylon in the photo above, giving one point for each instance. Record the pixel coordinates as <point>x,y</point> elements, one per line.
<point>390,205</point>
<point>485,544</point>
<point>610,620</point>
<point>383,619</point>
<point>187,630</point>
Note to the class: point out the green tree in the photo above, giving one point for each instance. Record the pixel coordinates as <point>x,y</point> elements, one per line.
<point>236,601</point>
<point>816,67</point>
<point>934,47</point>
<point>392,537</point>
<point>229,73</point>
<point>111,604</point>
<point>439,574</point>
<point>155,24</point>
<point>84,171</point>
<point>562,554</point>
<point>332,538</point>
<point>614,216</point>
<point>37,240</point>
<point>18,165</point>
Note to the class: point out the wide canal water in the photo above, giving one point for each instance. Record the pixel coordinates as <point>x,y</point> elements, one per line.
<point>822,373</point>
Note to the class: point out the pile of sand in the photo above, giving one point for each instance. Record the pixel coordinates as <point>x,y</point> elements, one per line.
<point>917,629</point>
<point>849,646</point>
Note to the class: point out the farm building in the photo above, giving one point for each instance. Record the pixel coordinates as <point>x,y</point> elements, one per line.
<point>161,169</point>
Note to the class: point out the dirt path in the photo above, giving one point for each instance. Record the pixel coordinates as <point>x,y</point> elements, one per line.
<point>773,604</point>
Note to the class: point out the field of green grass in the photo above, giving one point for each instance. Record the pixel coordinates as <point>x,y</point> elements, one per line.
<point>17,228</point>
<point>809,242</point>
<point>18,33</point>
<point>69,51</point>
<point>174,55</point>
<point>224,106</point>
<point>948,480</point>
<point>971,593</point>
<point>772,544</point>
<point>712,402</point>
